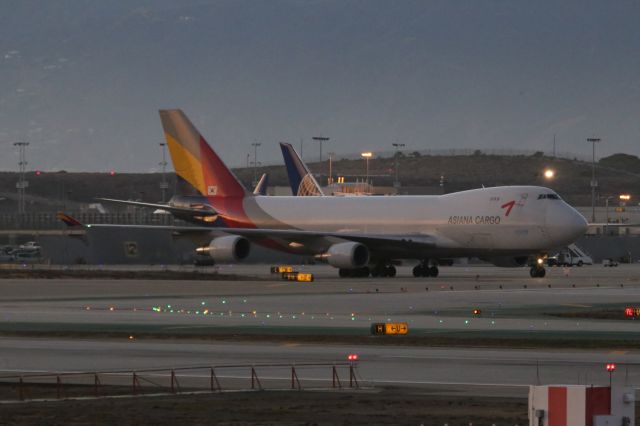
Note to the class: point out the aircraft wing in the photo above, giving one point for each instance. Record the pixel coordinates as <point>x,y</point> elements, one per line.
<point>614,225</point>
<point>312,242</point>
<point>165,207</point>
<point>320,241</point>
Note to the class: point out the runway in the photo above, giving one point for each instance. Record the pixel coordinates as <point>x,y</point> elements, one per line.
<point>428,305</point>
<point>55,309</point>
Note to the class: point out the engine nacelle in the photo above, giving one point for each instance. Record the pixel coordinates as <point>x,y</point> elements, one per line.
<point>231,248</point>
<point>508,261</point>
<point>348,255</point>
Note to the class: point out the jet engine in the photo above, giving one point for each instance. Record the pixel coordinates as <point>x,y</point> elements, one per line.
<point>508,261</point>
<point>348,255</point>
<point>230,248</point>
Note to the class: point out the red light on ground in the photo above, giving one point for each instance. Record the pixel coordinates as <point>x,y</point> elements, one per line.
<point>611,367</point>
<point>38,172</point>
<point>477,312</point>
<point>112,173</point>
<point>628,312</point>
<point>352,357</point>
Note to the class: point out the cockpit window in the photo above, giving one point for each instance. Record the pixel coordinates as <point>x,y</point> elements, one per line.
<point>548,196</point>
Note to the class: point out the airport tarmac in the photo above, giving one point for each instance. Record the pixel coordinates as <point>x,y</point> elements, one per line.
<point>55,309</point>
<point>431,304</point>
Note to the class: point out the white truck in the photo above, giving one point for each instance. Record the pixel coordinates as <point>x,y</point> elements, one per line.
<point>570,256</point>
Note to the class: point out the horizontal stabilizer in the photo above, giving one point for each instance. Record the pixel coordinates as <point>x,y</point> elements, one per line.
<point>166,207</point>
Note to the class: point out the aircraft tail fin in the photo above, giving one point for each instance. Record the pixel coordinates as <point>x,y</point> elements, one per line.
<point>199,170</point>
<point>300,178</point>
<point>68,220</point>
<point>261,187</point>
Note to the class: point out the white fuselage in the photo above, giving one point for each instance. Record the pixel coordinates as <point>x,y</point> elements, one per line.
<point>499,219</point>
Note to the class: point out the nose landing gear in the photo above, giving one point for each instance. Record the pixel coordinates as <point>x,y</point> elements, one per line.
<point>537,270</point>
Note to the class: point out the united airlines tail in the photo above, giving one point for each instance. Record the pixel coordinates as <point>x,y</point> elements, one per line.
<point>300,178</point>
<point>198,168</point>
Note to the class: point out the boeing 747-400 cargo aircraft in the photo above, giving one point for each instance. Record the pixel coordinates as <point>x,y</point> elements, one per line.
<point>362,236</point>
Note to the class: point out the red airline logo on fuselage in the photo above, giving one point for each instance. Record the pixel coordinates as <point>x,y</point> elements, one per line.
<point>508,206</point>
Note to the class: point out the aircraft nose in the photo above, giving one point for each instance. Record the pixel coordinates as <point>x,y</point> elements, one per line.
<point>565,224</point>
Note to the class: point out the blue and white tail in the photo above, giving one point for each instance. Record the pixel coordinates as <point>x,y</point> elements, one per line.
<point>302,182</point>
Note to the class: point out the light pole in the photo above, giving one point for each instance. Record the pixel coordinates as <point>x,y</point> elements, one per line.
<point>397,146</point>
<point>330,179</point>
<point>367,155</point>
<point>594,182</point>
<point>255,146</point>
<point>22,184</point>
<point>163,182</point>
<point>320,139</point>
<point>606,209</point>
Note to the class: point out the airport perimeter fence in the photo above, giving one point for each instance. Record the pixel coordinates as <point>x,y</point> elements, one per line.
<point>179,380</point>
<point>49,220</point>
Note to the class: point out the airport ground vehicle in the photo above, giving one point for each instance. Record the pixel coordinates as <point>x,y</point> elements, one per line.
<point>572,255</point>
<point>30,245</point>
<point>361,236</point>
<point>609,263</point>
<point>6,254</point>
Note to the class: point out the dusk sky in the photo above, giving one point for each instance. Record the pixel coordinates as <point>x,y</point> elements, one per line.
<point>82,80</point>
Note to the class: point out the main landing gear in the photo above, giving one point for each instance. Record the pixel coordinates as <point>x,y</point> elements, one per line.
<point>383,270</point>
<point>354,273</point>
<point>424,270</point>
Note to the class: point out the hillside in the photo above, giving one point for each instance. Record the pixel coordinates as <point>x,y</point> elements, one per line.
<point>618,173</point>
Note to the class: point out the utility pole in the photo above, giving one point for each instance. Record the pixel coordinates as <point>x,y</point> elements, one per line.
<point>320,139</point>
<point>554,145</point>
<point>397,146</point>
<point>255,146</point>
<point>594,182</point>
<point>22,184</point>
<point>163,182</point>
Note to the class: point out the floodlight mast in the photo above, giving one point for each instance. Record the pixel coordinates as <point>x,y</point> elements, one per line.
<point>320,139</point>
<point>22,183</point>
<point>397,146</point>
<point>255,146</point>
<point>594,182</point>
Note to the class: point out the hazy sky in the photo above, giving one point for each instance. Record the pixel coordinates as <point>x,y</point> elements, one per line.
<point>82,80</point>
